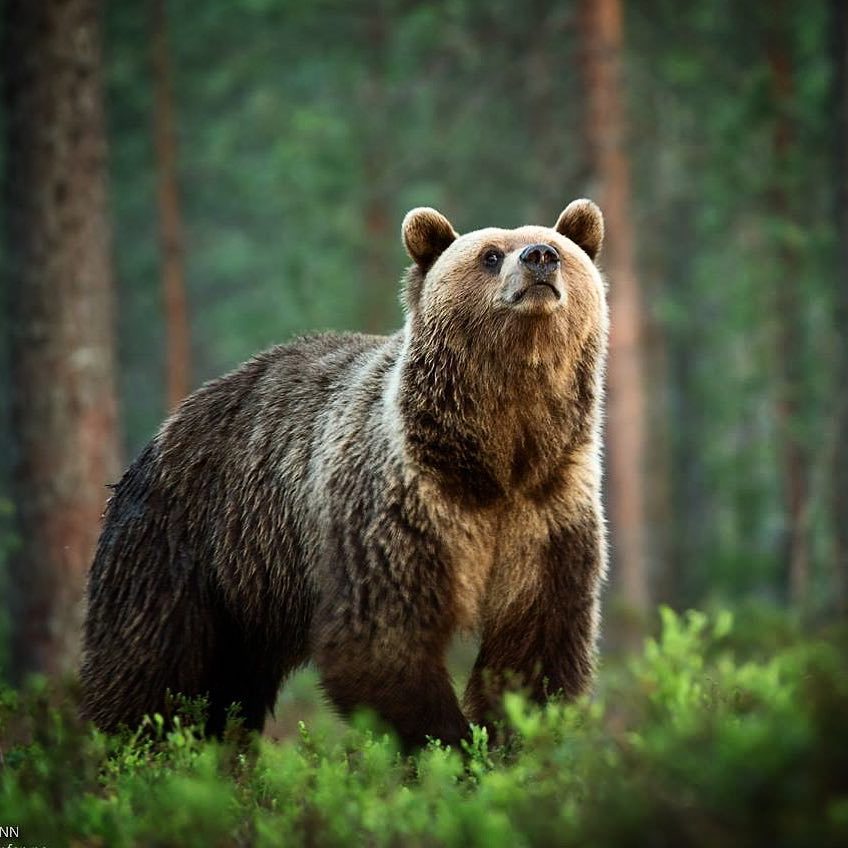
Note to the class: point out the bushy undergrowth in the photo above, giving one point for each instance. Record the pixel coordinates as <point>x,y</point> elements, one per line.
<point>697,741</point>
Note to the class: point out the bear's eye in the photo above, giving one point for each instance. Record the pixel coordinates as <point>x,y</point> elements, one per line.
<point>492,258</point>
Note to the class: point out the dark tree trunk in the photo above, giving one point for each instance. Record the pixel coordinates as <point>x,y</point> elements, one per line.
<point>787,322</point>
<point>839,22</point>
<point>60,301</point>
<point>602,36</point>
<point>171,233</point>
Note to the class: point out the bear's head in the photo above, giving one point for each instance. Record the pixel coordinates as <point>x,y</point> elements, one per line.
<point>505,287</point>
<point>504,346</point>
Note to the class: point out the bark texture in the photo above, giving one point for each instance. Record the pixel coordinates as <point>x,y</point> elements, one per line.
<point>60,300</point>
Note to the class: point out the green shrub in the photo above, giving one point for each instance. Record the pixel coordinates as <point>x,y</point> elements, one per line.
<point>693,742</point>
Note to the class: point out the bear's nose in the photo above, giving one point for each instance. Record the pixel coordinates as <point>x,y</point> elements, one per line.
<point>539,258</point>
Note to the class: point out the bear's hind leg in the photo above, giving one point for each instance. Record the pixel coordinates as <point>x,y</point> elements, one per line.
<point>249,666</point>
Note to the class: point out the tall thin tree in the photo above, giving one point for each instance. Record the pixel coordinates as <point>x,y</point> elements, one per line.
<point>171,227</point>
<point>839,29</point>
<point>379,298</point>
<point>601,25</point>
<point>60,299</point>
<point>787,312</point>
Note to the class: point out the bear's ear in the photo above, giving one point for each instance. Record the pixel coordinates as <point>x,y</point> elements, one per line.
<point>583,223</point>
<point>426,235</point>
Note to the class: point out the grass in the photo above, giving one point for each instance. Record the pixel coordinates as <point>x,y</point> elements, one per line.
<point>705,738</point>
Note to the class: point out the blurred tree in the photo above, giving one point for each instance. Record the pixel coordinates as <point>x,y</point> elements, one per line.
<point>604,128</point>
<point>171,230</point>
<point>378,295</point>
<point>789,356</point>
<point>59,295</point>
<point>839,35</point>
<point>540,102</point>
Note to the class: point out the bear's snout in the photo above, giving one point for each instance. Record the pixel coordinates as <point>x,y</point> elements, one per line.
<point>541,259</point>
<point>534,281</point>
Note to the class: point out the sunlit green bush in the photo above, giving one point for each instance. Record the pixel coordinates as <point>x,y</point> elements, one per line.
<point>692,743</point>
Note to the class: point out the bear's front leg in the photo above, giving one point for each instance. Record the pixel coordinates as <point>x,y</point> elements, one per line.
<point>543,640</point>
<point>401,676</point>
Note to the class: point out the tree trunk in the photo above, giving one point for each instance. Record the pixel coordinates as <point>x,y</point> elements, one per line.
<point>380,296</point>
<point>60,301</point>
<point>602,29</point>
<point>171,233</point>
<point>839,23</point>
<point>787,311</point>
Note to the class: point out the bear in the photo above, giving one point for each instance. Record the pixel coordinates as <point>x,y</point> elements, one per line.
<point>356,500</point>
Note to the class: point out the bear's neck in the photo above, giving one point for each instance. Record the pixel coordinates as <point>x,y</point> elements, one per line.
<point>488,424</point>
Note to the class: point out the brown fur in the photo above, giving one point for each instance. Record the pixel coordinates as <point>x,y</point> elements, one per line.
<point>356,500</point>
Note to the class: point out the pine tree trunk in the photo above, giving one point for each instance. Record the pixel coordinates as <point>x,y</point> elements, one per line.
<point>839,19</point>
<point>380,294</point>
<point>60,300</point>
<point>602,31</point>
<point>787,310</point>
<point>171,232</point>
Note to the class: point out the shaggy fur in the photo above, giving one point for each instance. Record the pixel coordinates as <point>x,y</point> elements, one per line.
<point>356,500</point>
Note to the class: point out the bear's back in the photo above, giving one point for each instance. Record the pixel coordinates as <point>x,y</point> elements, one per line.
<point>225,473</point>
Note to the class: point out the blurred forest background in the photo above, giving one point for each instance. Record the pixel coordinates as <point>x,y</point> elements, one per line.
<point>187,183</point>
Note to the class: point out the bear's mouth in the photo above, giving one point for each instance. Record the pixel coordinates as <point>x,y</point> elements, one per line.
<point>538,290</point>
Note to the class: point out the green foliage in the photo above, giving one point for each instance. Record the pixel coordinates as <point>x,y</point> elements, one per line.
<point>693,742</point>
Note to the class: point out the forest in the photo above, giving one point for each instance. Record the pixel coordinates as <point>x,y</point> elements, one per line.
<point>186,184</point>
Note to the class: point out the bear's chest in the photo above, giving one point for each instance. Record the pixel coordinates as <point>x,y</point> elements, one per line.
<point>472,550</point>
<point>491,555</point>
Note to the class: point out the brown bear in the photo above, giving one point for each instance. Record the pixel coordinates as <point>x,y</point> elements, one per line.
<point>356,500</point>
